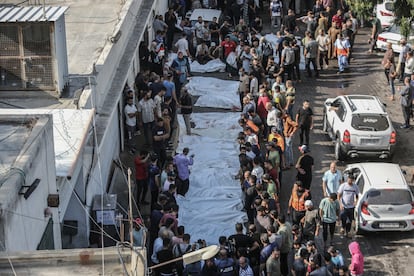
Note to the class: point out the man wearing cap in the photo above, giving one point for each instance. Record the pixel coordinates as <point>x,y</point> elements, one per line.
<point>297,202</point>
<point>182,161</point>
<point>348,194</point>
<point>310,222</point>
<point>138,233</point>
<point>331,180</point>
<point>304,166</point>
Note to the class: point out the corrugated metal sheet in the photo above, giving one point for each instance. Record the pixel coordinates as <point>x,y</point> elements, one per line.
<point>31,14</point>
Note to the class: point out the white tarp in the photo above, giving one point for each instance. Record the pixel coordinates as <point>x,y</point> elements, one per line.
<point>213,204</point>
<point>214,92</point>
<point>215,65</point>
<point>70,128</point>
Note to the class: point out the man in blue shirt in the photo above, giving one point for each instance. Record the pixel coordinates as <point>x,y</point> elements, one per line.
<point>182,161</point>
<point>331,180</point>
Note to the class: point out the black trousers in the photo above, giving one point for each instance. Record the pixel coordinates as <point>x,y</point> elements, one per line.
<point>182,186</point>
<point>325,226</point>
<point>347,216</point>
<point>304,130</point>
<point>142,188</point>
<point>406,113</point>
<point>297,216</point>
<point>308,61</point>
<point>284,268</point>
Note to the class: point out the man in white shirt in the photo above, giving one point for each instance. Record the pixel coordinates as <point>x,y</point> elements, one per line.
<point>199,25</point>
<point>182,45</point>
<point>246,58</point>
<point>276,13</point>
<point>131,123</point>
<point>254,85</point>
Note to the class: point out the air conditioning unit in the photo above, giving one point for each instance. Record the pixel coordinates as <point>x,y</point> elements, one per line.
<point>33,53</point>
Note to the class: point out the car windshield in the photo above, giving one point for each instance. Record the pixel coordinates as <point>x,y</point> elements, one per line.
<point>370,122</point>
<point>389,6</point>
<point>389,197</point>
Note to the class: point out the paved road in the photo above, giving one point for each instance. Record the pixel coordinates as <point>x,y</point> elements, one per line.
<point>386,253</point>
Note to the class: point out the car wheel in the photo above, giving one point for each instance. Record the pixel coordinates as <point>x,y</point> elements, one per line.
<point>325,124</point>
<point>339,154</point>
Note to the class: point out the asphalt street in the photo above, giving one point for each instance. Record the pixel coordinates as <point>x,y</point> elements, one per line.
<point>386,253</point>
<point>390,253</point>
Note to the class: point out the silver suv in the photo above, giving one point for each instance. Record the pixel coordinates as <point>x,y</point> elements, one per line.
<point>359,125</point>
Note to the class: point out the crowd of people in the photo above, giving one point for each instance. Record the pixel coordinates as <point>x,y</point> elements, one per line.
<point>274,240</point>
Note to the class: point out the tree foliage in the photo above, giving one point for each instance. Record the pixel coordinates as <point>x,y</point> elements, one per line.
<point>403,9</point>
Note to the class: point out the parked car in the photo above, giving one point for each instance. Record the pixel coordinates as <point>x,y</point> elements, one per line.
<point>393,35</point>
<point>360,126</point>
<point>385,12</point>
<point>385,202</point>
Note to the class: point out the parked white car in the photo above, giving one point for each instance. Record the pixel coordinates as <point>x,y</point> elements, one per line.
<point>393,36</point>
<point>359,125</point>
<point>385,202</point>
<point>385,12</point>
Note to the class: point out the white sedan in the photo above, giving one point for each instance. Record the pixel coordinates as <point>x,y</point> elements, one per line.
<point>393,35</point>
<point>385,12</point>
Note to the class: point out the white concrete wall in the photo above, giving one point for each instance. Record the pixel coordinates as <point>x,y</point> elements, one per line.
<point>106,67</point>
<point>23,220</point>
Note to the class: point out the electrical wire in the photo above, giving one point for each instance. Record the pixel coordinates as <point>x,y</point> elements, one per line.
<point>63,224</point>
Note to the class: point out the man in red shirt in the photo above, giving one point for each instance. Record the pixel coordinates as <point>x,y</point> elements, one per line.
<point>338,18</point>
<point>141,176</point>
<point>228,45</point>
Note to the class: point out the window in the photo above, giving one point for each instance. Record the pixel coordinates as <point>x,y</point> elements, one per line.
<point>360,183</point>
<point>339,109</point>
<point>370,122</point>
<point>389,197</point>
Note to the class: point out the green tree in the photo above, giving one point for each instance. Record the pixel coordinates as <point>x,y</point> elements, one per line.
<point>403,8</point>
<point>362,8</point>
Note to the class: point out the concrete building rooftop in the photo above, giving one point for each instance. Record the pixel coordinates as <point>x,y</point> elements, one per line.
<point>13,135</point>
<point>89,25</point>
<point>70,130</point>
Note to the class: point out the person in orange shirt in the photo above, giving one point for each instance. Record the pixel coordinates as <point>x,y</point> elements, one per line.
<point>289,129</point>
<point>297,202</point>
